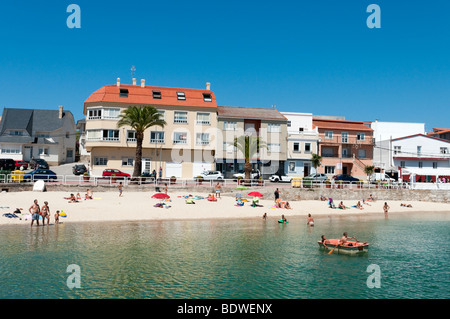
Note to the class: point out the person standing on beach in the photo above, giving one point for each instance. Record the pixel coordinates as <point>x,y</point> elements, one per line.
<point>218,187</point>
<point>386,208</point>
<point>57,217</point>
<point>34,211</point>
<point>45,213</point>
<point>165,188</point>
<point>120,187</point>
<point>277,195</point>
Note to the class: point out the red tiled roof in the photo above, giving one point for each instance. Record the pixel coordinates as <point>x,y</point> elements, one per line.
<point>437,131</point>
<point>341,125</point>
<point>250,113</point>
<point>144,96</point>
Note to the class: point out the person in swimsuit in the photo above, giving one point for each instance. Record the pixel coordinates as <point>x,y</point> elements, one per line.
<point>324,241</point>
<point>386,208</point>
<point>218,187</point>
<point>34,211</point>
<point>57,217</point>
<point>344,239</point>
<point>45,213</point>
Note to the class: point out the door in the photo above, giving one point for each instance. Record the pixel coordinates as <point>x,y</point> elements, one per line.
<point>306,169</point>
<point>146,165</point>
<point>173,169</point>
<point>28,153</point>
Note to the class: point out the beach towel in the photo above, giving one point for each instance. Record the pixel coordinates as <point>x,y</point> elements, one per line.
<point>10,215</point>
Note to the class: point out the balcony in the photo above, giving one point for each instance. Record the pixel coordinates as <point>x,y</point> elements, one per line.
<point>337,139</point>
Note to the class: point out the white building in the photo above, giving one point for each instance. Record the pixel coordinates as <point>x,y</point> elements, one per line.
<point>383,134</point>
<point>302,141</point>
<point>421,156</point>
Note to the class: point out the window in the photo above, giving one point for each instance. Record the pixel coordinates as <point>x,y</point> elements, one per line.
<point>11,149</point>
<point>361,136</point>
<point>307,147</point>
<point>202,139</point>
<point>127,161</point>
<point>273,128</point>
<point>344,137</point>
<point>301,129</point>
<point>402,164</point>
<point>419,150</point>
<point>273,148</point>
<point>111,114</point>
<point>344,153</point>
<point>162,114</point>
<point>362,153</point>
<point>203,118</point>
<point>444,150</point>
<point>291,166</point>
<point>229,126</point>
<point>289,123</point>
<point>93,135</point>
<point>328,135</point>
<point>44,135</point>
<point>156,94</point>
<point>67,134</point>
<point>100,161</point>
<point>95,114</point>
<point>16,133</point>
<point>435,165</point>
<point>420,164</point>
<point>207,97</point>
<point>131,136</point>
<point>156,137</point>
<point>181,96</point>
<point>43,151</point>
<point>230,148</point>
<point>397,150</point>
<point>123,93</point>
<point>111,135</point>
<point>179,138</point>
<point>69,153</point>
<point>296,147</point>
<point>329,169</point>
<point>180,117</point>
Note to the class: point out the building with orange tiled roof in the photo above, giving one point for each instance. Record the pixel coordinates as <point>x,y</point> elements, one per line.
<point>183,148</point>
<point>442,133</point>
<point>346,147</point>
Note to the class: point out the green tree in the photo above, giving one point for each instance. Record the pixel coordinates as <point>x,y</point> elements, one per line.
<point>249,146</point>
<point>140,118</point>
<point>368,169</point>
<point>316,160</point>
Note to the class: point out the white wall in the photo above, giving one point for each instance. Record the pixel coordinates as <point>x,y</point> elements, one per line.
<point>298,120</point>
<point>387,130</point>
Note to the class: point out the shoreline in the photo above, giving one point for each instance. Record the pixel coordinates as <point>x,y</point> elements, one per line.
<point>139,207</point>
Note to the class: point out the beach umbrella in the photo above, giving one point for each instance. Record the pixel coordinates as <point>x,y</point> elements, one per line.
<point>255,194</point>
<point>160,196</point>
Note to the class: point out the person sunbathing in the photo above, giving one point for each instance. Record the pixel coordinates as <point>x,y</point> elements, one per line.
<point>323,198</point>
<point>341,205</point>
<point>72,199</point>
<point>370,199</point>
<point>359,206</point>
<point>406,205</point>
<point>89,194</point>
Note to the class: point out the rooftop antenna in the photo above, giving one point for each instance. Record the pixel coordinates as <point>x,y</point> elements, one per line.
<point>133,70</point>
<point>274,106</point>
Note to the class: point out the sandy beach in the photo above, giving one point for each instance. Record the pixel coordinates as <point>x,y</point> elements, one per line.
<point>139,206</point>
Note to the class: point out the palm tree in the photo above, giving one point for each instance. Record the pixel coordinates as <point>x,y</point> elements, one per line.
<point>140,118</point>
<point>316,160</point>
<point>249,146</point>
<point>368,169</point>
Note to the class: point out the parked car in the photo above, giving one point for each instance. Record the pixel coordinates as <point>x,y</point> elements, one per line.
<point>40,173</point>
<point>280,178</point>
<point>38,163</point>
<point>79,169</point>
<point>20,164</point>
<point>346,178</point>
<point>381,177</point>
<point>115,172</point>
<point>7,164</point>
<point>253,175</point>
<point>211,175</point>
<point>317,177</point>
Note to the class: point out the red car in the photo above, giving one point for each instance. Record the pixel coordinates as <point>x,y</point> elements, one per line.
<point>21,163</point>
<point>111,171</point>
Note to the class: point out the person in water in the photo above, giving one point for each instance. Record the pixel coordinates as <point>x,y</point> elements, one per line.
<point>325,241</point>
<point>310,221</point>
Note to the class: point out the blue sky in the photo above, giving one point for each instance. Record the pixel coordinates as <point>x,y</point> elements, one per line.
<point>303,56</point>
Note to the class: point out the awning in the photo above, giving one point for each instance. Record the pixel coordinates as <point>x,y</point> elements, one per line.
<point>426,171</point>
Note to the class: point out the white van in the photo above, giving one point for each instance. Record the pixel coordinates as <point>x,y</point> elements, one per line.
<point>381,177</point>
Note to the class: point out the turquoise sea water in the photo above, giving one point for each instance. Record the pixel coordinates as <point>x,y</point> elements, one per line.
<point>213,259</point>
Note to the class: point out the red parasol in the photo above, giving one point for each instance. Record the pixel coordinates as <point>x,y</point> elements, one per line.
<point>160,196</point>
<point>255,194</point>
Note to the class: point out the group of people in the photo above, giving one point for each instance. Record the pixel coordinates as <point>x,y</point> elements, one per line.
<point>342,241</point>
<point>43,212</point>
<point>279,203</point>
<point>75,199</point>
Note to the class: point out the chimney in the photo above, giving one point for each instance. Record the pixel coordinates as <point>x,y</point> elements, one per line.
<point>118,81</point>
<point>208,86</point>
<point>142,83</point>
<point>134,81</point>
<point>60,114</point>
